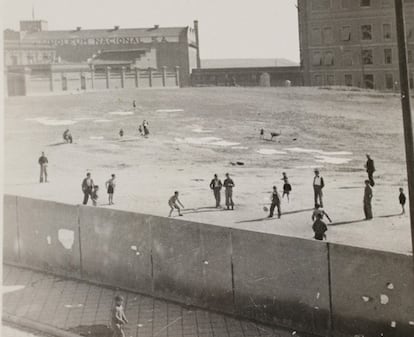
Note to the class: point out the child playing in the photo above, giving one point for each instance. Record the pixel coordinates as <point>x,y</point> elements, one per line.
<point>173,204</point>
<point>94,195</point>
<point>287,188</point>
<point>121,133</point>
<point>403,199</point>
<point>118,317</point>
<point>319,228</point>
<point>261,133</point>
<point>110,186</point>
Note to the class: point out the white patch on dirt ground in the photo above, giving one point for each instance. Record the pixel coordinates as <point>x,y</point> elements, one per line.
<point>321,152</point>
<point>212,141</point>
<point>52,122</point>
<point>83,118</point>
<point>96,137</point>
<point>332,160</point>
<point>240,148</point>
<point>200,130</point>
<point>102,121</point>
<point>10,289</point>
<point>66,238</point>
<point>169,110</point>
<point>121,113</point>
<point>308,166</point>
<point>270,151</point>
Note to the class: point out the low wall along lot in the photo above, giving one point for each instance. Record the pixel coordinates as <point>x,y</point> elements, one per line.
<point>311,286</point>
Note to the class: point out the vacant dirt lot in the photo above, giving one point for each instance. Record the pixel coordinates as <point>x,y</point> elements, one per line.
<point>198,132</point>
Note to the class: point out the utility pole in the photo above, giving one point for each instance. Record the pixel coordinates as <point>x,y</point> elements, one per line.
<point>406,107</point>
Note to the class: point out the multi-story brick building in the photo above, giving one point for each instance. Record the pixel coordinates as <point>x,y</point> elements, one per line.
<point>353,42</point>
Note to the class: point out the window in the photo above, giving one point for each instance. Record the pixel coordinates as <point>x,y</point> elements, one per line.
<point>387,56</point>
<point>330,80</point>
<point>30,59</point>
<point>316,59</point>
<point>347,59</point>
<point>321,4</point>
<point>317,80</point>
<point>369,81</point>
<point>327,35</point>
<point>367,56</point>
<point>328,58</point>
<point>389,81</point>
<point>348,80</point>
<point>316,36</point>
<point>386,31</point>
<point>366,32</point>
<point>365,3</point>
<point>346,33</point>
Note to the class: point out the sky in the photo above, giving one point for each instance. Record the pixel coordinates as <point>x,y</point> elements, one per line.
<point>228,28</point>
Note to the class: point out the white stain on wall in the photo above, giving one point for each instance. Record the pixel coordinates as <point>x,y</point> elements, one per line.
<point>66,238</point>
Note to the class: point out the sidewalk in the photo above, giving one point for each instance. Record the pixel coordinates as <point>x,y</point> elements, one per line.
<point>85,309</point>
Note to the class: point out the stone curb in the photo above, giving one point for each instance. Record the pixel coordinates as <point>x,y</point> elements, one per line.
<point>27,323</point>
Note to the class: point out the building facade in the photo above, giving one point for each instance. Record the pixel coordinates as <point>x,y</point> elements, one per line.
<point>155,47</point>
<point>353,42</point>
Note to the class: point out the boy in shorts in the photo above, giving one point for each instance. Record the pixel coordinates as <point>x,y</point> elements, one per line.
<point>173,204</point>
<point>118,318</point>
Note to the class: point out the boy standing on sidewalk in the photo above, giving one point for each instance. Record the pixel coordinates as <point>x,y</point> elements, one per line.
<point>402,199</point>
<point>118,317</point>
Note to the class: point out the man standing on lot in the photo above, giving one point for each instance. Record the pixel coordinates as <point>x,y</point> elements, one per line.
<point>367,200</point>
<point>275,203</point>
<point>370,170</point>
<point>228,185</point>
<point>43,167</point>
<point>318,185</point>
<point>87,188</point>
<point>216,185</point>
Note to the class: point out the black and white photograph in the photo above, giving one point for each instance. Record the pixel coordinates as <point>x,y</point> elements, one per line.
<point>207,168</point>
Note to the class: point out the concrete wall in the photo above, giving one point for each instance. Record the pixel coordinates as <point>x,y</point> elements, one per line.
<point>306,285</point>
<point>372,292</point>
<point>281,280</point>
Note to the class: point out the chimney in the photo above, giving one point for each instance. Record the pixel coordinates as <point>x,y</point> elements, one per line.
<point>116,27</point>
<point>78,28</point>
<point>156,26</point>
<point>197,43</point>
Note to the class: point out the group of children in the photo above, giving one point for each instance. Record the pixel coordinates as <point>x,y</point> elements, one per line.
<point>90,189</point>
<point>143,129</point>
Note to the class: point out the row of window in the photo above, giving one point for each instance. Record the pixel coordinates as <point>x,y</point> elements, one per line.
<point>325,35</point>
<point>318,5</point>
<point>326,58</point>
<point>368,81</point>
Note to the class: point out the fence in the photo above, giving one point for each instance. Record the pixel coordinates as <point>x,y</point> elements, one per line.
<point>25,81</point>
<point>316,287</point>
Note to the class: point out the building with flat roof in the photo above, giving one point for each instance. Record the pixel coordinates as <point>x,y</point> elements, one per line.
<point>156,47</point>
<point>353,42</point>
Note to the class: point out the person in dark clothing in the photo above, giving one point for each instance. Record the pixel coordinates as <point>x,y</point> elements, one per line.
<point>319,228</point>
<point>67,136</point>
<point>216,186</point>
<point>370,170</point>
<point>43,167</point>
<point>228,185</point>
<point>261,133</point>
<point>121,133</point>
<point>402,199</point>
<point>367,200</point>
<point>318,185</point>
<point>87,188</point>
<point>287,188</point>
<point>275,203</point>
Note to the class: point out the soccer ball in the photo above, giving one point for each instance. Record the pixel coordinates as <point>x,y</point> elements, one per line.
<point>265,208</point>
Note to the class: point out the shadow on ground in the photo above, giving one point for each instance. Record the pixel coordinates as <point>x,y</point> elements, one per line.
<point>92,330</point>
